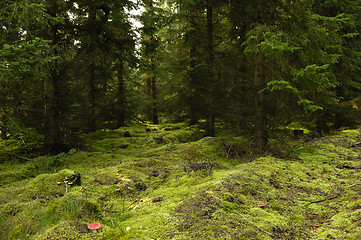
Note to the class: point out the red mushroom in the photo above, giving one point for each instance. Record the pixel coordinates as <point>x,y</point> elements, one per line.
<point>94,226</point>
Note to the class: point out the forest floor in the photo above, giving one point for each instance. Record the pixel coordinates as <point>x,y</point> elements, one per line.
<point>168,182</point>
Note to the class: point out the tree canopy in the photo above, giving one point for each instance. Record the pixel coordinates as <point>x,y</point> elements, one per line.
<point>69,67</point>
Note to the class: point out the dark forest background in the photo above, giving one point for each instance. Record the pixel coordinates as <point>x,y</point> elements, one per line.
<point>69,67</point>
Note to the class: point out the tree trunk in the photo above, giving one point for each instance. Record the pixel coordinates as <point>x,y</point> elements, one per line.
<point>260,126</point>
<point>210,83</point>
<point>321,124</point>
<point>260,130</point>
<point>90,98</point>
<point>91,126</point>
<point>151,78</point>
<point>154,101</point>
<point>51,114</point>
<point>121,96</point>
<point>193,94</point>
<point>51,111</point>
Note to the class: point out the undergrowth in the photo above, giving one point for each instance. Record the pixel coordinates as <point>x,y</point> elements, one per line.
<point>168,182</point>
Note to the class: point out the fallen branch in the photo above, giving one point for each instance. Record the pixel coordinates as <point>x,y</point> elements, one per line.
<point>354,145</point>
<point>323,200</point>
<point>111,211</point>
<point>354,184</point>
<point>252,223</point>
<point>344,166</point>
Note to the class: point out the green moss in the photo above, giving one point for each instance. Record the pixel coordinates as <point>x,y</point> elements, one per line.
<point>65,230</point>
<point>138,183</point>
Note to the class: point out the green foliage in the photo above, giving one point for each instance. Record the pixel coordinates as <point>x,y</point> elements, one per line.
<point>281,85</point>
<point>274,42</point>
<point>309,105</point>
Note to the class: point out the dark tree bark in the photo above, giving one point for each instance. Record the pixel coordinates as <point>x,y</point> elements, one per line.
<point>321,124</point>
<point>152,84</point>
<point>51,110</point>
<point>154,101</point>
<point>90,83</point>
<point>210,83</point>
<point>260,130</point>
<point>193,115</point>
<point>121,96</point>
<point>91,119</point>
<point>260,126</point>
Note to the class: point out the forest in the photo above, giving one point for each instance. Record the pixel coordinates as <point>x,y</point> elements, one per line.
<point>171,107</point>
<point>74,67</point>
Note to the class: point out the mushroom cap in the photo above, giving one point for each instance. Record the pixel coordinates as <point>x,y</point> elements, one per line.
<point>94,225</point>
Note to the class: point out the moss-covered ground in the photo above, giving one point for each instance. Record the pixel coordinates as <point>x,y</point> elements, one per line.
<point>168,182</point>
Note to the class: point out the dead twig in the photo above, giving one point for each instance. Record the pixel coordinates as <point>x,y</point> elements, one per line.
<point>323,200</point>
<point>354,184</point>
<point>66,185</point>
<point>111,211</point>
<point>253,223</point>
<point>303,232</point>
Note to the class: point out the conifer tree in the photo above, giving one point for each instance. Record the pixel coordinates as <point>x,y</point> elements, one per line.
<point>31,56</point>
<point>152,19</point>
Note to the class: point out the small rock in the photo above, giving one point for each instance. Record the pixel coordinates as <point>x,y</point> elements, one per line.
<point>159,140</point>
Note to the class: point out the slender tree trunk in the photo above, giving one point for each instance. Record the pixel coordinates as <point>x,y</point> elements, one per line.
<point>51,111</point>
<point>260,130</point>
<point>51,115</point>
<point>91,126</point>
<point>90,98</point>
<point>151,78</point>
<point>153,91</point>
<point>154,101</point>
<point>210,83</point>
<point>321,123</point>
<point>193,96</point>
<point>260,126</point>
<point>121,96</point>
